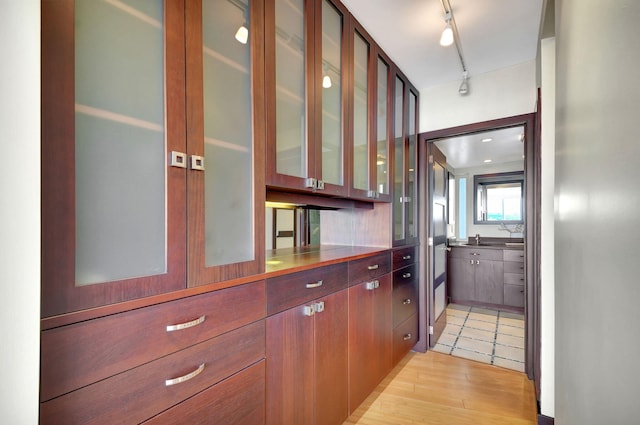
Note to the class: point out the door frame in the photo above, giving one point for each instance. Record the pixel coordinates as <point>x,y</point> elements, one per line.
<point>532,240</point>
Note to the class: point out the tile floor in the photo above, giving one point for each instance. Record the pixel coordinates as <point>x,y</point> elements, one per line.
<point>488,336</point>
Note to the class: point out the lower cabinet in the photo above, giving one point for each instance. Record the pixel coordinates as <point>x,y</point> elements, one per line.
<point>404,303</point>
<point>476,275</point>
<point>238,400</point>
<point>369,337</point>
<point>306,350</point>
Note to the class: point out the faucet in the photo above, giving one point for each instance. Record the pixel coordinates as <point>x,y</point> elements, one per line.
<point>477,238</point>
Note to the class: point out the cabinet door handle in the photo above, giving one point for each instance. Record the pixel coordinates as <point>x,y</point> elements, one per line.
<point>184,378</point>
<point>407,301</point>
<point>477,261</point>
<point>178,159</point>
<point>406,257</point>
<point>308,310</point>
<point>370,286</point>
<point>185,325</point>
<point>406,275</point>
<point>373,267</point>
<point>314,285</point>
<point>407,337</point>
<point>197,162</point>
<point>318,307</point>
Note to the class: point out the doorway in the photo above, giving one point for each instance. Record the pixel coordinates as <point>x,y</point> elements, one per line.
<point>527,123</point>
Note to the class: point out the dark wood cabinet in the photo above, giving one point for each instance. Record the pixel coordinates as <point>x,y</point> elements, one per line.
<point>307,363</point>
<point>476,275</point>
<point>514,277</point>
<point>404,301</point>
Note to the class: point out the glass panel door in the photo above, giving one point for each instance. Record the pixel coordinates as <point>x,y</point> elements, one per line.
<point>360,113</point>
<point>399,164</point>
<point>411,204</point>
<point>382,130</point>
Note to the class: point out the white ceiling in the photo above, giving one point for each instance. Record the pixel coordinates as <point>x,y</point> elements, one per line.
<point>493,34</point>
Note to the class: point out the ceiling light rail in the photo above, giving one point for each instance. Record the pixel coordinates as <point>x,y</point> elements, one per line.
<point>450,36</point>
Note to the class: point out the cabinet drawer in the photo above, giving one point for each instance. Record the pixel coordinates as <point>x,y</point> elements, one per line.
<point>513,255</point>
<point>476,253</point>
<point>369,268</point>
<point>77,355</point>
<point>406,274</point>
<point>238,400</point>
<point>514,295</point>
<point>404,256</point>
<point>514,278</point>
<point>405,300</point>
<point>512,267</point>
<point>293,289</point>
<point>142,392</point>
<point>405,337</point>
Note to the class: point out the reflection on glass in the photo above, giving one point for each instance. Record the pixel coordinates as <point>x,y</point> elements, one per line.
<point>228,139</point>
<point>382,146</point>
<point>360,116</point>
<point>398,178</point>
<point>291,117</point>
<point>119,141</point>
<point>332,96</point>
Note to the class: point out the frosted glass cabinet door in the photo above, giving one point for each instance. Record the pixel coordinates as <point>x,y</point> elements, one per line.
<point>224,120</point>
<point>382,129</point>
<point>399,217</point>
<point>112,221</point>
<point>361,175</point>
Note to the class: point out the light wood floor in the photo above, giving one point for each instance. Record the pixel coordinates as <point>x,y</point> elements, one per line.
<point>435,388</point>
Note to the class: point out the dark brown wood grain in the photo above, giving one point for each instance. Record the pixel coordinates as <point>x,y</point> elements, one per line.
<point>80,354</point>
<point>404,256</point>
<point>405,337</point>
<point>405,295</point>
<point>140,393</point>
<point>369,268</point>
<point>369,338</point>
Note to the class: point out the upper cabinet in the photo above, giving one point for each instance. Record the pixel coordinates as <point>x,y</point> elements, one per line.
<point>126,197</point>
<point>306,95</point>
<point>226,130</point>
<point>405,190</point>
<point>369,115</point>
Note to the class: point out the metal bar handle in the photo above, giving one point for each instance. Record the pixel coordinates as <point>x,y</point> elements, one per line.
<point>406,275</point>
<point>184,378</point>
<point>373,267</point>
<point>314,285</point>
<point>406,257</point>
<point>407,337</point>
<point>180,326</point>
<point>407,301</point>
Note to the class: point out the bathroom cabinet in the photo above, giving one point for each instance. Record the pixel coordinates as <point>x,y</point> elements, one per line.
<point>476,274</point>
<point>514,278</point>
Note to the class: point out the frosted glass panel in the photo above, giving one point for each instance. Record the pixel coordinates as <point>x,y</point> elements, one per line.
<point>291,131</point>
<point>440,260</point>
<point>120,140</point>
<point>331,96</point>
<point>360,116</point>
<point>412,227</point>
<point>382,148</point>
<point>228,144</point>
<point>398,179</point>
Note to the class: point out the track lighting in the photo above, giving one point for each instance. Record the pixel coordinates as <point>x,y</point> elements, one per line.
<point>242,35</point>
<point>446,39</point>
<point>464,87</point>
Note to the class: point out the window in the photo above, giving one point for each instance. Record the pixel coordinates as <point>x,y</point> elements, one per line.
<point>499,198</point>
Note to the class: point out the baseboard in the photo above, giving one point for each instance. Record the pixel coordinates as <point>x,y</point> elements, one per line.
<point>545,420</point>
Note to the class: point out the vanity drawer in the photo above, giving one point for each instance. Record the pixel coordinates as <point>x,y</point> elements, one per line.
<point>238,400</point>
<point>514,295</point>
<point>476,253</point>
<point>514,278</point>
<point>405,300</point>
<point>293,289</point>
<point>369,268</point>
<point>514,255</point>
<point>142,392</point>
<point>404,256</point>
<point>83,353</point>
<point>511,267</point>
<point>405,337</point>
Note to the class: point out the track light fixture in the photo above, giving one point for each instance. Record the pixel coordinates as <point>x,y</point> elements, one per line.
<point>446,39</point>
<point>326,80</point>
<point>242,35</point>
<point>464,87</point>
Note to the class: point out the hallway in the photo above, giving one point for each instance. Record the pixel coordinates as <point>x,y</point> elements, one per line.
<point>435,388</point>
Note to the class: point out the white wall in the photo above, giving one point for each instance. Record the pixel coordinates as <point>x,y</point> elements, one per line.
<point>547,299</point>
<point>597,223</point>
<point>499,94</point>
<point>20,210</point>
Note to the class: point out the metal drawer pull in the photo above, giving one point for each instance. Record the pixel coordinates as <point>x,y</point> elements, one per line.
<point>406,275</point>
<point>475,253</point>
<point>374,267</point>
<point>184,378</point>
<point>407,301</point>
<point>314,285</point>
<point>179,326</point>
<point>372,285</point>
<point>407,337</point>
<point>406,257</point>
